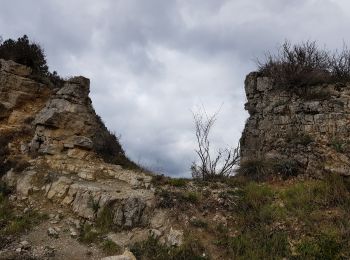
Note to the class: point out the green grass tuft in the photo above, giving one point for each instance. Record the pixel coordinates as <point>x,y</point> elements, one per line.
<point>110,248</point>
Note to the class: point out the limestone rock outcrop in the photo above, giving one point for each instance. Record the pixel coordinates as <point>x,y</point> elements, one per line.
<point>20,96</point>
<point>309,126</point>
<point>54,149</point>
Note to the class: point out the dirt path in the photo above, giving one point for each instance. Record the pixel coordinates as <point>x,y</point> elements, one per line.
<point>62,247</point>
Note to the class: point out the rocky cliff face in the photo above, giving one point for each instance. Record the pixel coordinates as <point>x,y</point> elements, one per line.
<point>309,126</point>
<point>52,142</point>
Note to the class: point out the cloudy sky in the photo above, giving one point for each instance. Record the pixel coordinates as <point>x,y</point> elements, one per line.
<point>152,62</point>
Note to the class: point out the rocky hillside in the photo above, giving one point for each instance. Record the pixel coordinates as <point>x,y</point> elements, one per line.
<point>56,149</point>
<point>68,191</point>
<point>305,128</point>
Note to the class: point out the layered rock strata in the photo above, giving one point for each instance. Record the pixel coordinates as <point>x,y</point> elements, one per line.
<point>53,134</point>
<point>309,125</point>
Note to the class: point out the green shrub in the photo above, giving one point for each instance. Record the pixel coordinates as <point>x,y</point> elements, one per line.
<point>322,246</point>
<point>287,168</point>
<point>255,169</point>
<point>152,249</point>
<point>192,197</point>
<point>104,220</point>
<point>170,199</point>
<point>14,224</point>
<point>88,235</point>
<point>110,248</point>
<point>107,145</point>
<point>260,245</point>
<point>161,180</point>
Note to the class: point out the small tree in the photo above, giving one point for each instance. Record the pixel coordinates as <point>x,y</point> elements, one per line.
<point>211,167</point>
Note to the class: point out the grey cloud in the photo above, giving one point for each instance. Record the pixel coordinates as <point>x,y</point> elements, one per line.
<point>152,62</point>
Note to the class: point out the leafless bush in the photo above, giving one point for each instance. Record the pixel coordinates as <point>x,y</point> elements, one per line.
<point>340,65</point>
<point>305,64</point>
<point>211,167</point>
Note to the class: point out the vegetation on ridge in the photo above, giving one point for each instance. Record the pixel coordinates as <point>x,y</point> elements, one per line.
<point>293,219</point>
<point>30,54</point>
<point>108,146</point>
<point>305,64</point>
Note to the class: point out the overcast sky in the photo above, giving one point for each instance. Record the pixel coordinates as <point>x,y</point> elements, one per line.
<point>152,62</point>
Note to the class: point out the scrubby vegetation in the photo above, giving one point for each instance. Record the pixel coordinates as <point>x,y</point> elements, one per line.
<point>302,220</point>
<point>108,146</point>
<point>305,64</point>
<point>261,169</point>
<point>13,224</point>
<point>255,169</point>
<point>31,54</point>
<point>183,199</point>
<point>160,180</point>
<point>111,248</point>
<point>89,234</point>
<point>264,218</point>
<point>153,249</point>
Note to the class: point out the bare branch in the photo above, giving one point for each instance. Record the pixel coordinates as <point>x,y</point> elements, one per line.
<point>225,159</point>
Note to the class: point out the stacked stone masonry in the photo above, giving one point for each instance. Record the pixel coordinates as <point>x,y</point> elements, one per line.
<point>310,125</point>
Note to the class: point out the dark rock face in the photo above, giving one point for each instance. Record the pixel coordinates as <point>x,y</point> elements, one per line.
<point>309,125</point>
